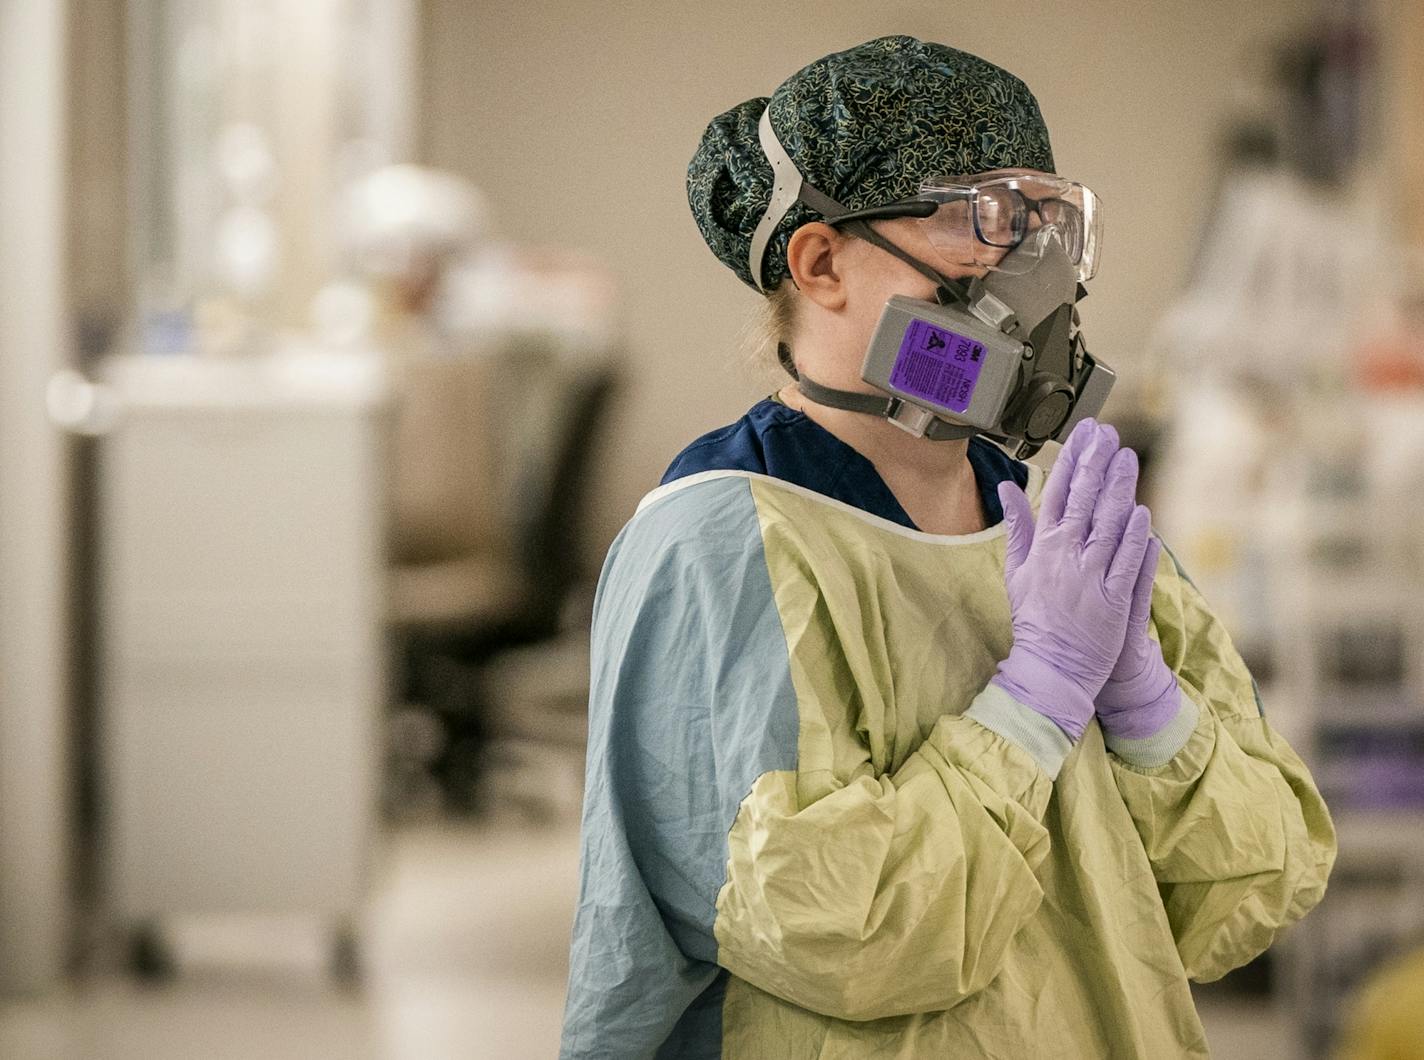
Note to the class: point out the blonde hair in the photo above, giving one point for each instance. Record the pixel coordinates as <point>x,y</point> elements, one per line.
<point>773,322</point>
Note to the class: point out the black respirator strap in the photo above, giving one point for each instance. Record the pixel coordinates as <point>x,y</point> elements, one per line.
<point>941,431</point>
<point>947,291</point>
<point>873,405</point>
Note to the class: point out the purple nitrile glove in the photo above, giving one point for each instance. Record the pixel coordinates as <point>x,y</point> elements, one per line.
<point>1141,694</point>
<point>1070,579</point>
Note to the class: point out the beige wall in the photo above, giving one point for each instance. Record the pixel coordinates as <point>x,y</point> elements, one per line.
<point>579,118</point>
<point>34,726</point>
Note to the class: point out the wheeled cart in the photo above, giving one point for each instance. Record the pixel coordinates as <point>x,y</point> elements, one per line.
<point>240,574</point>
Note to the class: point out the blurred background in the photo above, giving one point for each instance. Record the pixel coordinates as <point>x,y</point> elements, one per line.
<point>338,338</point>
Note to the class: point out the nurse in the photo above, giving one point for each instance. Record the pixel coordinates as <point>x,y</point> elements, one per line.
<point>899,747</point>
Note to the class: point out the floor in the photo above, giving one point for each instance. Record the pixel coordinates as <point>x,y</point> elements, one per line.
<point>465,949</point>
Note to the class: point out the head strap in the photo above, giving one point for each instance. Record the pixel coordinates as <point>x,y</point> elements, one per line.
<point>790,187</point>
<point>902,414</point>
<point>785,193</point>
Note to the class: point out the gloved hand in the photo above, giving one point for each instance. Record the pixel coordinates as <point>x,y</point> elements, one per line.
<point>1141,694</point>
<point>1070,580</point>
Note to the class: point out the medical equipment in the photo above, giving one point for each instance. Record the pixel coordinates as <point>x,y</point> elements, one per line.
<point>1067,639</point>
<point>241,606</point>
<point>972,220</point>
<point>1140,698</point>
<point>1000,356</point>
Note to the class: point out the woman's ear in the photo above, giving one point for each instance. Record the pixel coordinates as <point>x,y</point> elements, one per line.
<point>811,256</point>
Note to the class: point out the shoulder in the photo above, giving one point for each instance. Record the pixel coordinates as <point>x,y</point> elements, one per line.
<point>687,568</point>
<point>694,523</point>
<point>740,446</point>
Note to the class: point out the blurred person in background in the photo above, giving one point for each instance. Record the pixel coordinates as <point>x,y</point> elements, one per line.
<point>405,226</point>
<point>899,745</point>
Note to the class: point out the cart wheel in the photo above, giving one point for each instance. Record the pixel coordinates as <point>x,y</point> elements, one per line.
<point>346,957</point>
<point>150,958</point>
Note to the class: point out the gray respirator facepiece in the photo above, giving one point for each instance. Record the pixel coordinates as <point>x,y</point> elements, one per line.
<point>1000,355</point>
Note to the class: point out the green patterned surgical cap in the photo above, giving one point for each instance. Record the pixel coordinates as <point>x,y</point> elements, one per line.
<point>864,126</point>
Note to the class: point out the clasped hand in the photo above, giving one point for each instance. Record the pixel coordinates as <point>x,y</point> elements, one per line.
<point>1080,592</point>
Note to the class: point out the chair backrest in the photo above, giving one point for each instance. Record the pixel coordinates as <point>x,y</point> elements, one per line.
<point>446,459</point>
<point>551,512</point>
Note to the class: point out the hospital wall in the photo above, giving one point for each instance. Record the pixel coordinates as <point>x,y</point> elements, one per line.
<point>578,121</point>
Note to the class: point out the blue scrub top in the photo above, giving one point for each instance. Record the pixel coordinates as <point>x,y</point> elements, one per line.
<point>777,440</point>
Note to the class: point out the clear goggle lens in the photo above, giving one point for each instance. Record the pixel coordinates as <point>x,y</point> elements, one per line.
<point>982,218</point>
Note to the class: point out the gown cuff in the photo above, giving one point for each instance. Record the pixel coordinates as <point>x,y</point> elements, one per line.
<point>1162,746</point>
<point>1023,726</point>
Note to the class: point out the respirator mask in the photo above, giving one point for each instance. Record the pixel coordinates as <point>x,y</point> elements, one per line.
<point>999,355</point>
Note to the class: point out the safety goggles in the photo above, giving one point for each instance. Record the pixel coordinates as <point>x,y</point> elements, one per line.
<point>974,221</point>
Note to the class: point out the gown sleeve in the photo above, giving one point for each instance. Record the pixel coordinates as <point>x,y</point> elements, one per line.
<point>708,847</point>
<point>1239,839</point>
